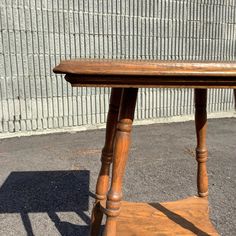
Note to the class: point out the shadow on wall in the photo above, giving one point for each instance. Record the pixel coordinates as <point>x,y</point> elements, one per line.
<point>50,192</point>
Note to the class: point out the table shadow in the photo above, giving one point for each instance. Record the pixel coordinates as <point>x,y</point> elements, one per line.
<point>49,192</point>
<point>179,220</point>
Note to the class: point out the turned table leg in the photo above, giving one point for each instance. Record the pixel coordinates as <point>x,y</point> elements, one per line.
<point>121,149</point>
<point>106,159</point>
<point>235,99</point>
<point>201,150</point>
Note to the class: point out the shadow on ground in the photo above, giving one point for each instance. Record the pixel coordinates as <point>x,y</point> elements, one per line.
<point>50,192</point>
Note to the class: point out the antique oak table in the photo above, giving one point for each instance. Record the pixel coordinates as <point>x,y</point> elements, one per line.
<point>183,217</point>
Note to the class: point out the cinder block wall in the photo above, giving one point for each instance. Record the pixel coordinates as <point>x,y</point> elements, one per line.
<point>36,34</point>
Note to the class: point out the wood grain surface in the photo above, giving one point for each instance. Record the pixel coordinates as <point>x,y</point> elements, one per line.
<point>184,217</point>
<point>148,73</point>
<point>145,67</point>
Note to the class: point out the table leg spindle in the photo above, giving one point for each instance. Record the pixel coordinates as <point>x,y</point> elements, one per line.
<point>235,99</point>
<point>201,150</point>
<point>184,217</point>
<point>106,159</point>
<point>121,149</point>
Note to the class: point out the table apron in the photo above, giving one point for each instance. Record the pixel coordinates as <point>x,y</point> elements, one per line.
<point>151,82</point>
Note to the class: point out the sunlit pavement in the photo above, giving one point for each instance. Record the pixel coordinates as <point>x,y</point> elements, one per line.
<point>48,181</point>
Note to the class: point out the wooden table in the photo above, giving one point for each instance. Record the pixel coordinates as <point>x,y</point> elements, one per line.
<point>184,217</point>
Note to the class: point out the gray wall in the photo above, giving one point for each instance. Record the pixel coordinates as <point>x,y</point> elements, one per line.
<point>35,35</point>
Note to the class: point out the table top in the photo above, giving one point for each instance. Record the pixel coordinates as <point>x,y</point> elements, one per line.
<point>148,73</point>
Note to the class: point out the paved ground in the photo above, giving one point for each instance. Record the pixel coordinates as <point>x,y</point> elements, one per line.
<point>47,182</point>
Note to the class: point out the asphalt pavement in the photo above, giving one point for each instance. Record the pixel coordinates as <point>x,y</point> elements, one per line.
<point>48,181</point>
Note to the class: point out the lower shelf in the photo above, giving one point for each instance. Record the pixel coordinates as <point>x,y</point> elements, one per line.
<point>183,217</point>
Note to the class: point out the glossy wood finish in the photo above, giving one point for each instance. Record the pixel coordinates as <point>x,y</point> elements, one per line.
<point>187,217</point>
<point>146,67</point>
<point>201,149</point>
<point>121,148</point>
<point>106,159</point>
<point>184,217</point>
<point>136,74</point>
